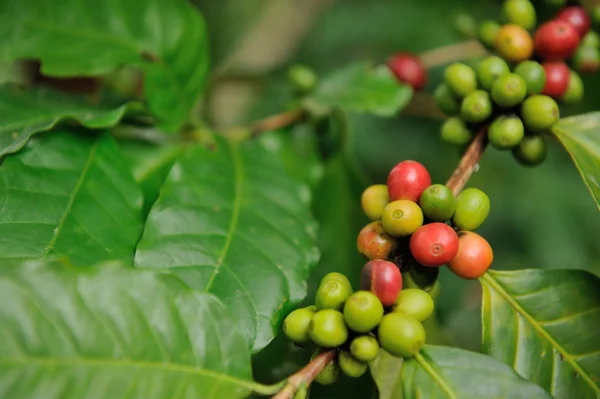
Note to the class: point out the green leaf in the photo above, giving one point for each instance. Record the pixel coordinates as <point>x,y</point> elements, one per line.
<point>166,38</point>
<point>72,333</point>
<point>579,136</point>
<point>452,373</point>
<point>69,195</point>
<point>387,373</point>
<point>232,223</point>
<point>24,113</point>
<point>544,323</point>
<point>361,88</point>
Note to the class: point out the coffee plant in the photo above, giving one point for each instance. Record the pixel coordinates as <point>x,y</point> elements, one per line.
<point>156,244</point>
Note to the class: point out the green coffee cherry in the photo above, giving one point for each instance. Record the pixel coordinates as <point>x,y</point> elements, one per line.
<point>350,366</point>
<point>539,113</point>
<point>363,311</point>
<point>302,78</point>
<point>574,93</point>
<point>591,39</point>
<point>532,151</point>
<point>460,79</point>
<point>519,12</point>
<point>586,59</point>
<point>445,100</point>
<point>414,302</point>
<point>330,373</point>
<point>490,69</point>
<point>438,203</point>
<point>401,335</point>
<point>455,131</point>
<point>488,30</point>
<point>328,329</point>
<point>332,295</point>
<point>365,348</point>
<point>509,90</point>
<point>476,107</point>
<point>373,200</point>
<point>296,325</point>
<point>465,24</point>
<point>472,208</point>
<point>533,74</point>
<point>506,132</point>
<point>336,277</point>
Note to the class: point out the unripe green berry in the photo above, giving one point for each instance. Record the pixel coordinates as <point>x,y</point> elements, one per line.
<point>532,151</point>
<point>586,59</point>
<point>476,107</point>
<point>533,74</point>
<point>302,78</point>
<point>296,324</point>
<point>591,39</point>
<point>414,302</point>
<point>455,131</point>
<point>472,208</point>
<point>488,30</point>
<point>401,218</point>
<point>365,348</point>
<point>465,24</point>
<point>330,373</point>
<point>363,311</point>
<point>445,100</point>
<point>438,203</point>
<point>574,93</point>
<point>352,367</point>
<point>461,79</point>
<point>490,69</point>
<point>328,329</point>
<point>506,132</point>
<point>539,113</point>
<point>509,90</point>
<point>373,200</point>
<point>401,335</point>
<point>332,295</point>
<point>336,277</point>
<point>519,12</point>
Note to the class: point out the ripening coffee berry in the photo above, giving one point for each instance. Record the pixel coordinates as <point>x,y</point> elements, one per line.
<point>401,218</point>
<point>352,367</point>
<point>532,151</point>
<point>383,279</point>
<point>302,78</point>
<point>488,30</point>
<point>408,69</point>
<point>519,12</point>
<point>328,329</point>
<point>574,93</point>
<point>461,79</point>
<point>509,90</point>
<point>414,302</point>
<point>374,242</point>
<point>373,200</point>
<point>445,100</point>
<point>533,74</point>
<point>365,348</point>
<point>363,311</point>
<point>434,244</point>
<point>587,59</point>
<point>335,276</point>
<point>577,17</point>
<point>407,181</point>
<point>472,208</point>
<point>474,256</point>
<point>506,132</point>
<point>476,107</point>
<point>330,373</point>
<point>557,79</point>
<point>539,113</point>
<point>455,131</point>
<point>490,69</point>
<point>556,40</point>
<point>296,324</point>
<point>332,295</point>
<point>401,335</point>
<point>437,203</point>
<point>514,43</point>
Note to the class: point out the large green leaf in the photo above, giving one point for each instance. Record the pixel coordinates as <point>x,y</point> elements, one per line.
<point>114,332</point>
<point>545,324</point>
<point>24,113</point>
<point>232,223</point>
<point>579,135</point>
<point>166,38</point>
<point>70,195</point>
<point>452,373</point>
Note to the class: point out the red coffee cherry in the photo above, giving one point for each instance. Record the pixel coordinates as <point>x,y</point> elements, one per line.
<point>556,40</point>
<point>408,69</point>
<point>374,243</point>
<point>474,256</point>
<point>576,16</point>
<point>383,279</point>
<point>434,244</point>
<point>557,79</point>
<point>408,180</point>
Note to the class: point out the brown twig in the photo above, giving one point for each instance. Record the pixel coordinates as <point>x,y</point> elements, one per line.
<point>467,164</point>
<point>306,375</point>
<point>454,52</point>
<point>277,121</point>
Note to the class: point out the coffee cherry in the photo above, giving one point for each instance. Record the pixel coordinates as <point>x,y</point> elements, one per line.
<point>533,74</point>
<point>557,79</point>
<point>455,131</point>
<point>408,69</point>
<point>373,200</point>
<point>474,256</point>
<point>539,113</point>
<point>519,12</point>
<point>363,311</point>
<point>401,335</point>
<point>476,107</point>
<point>509,90</point>
<point>556,40</point>
<point>465,24</point>
<point>434,244</point>
<point>407,181</point>
<point>577,17</point>
<point>437,203</point>
<point>591,39</point>
<point>574,93</point>
<point>414,302</point>
<point>302,78</point>
<point>532,151</point>
<point>330,373</point>
<point>487,32</point>
<point>332,295</point>
<point>587,59</point>
<point>383,279</point>
<point>490,69</point>
<point>472,208</point>
<point>374,242</point>
<point>506,132</point>
<point>401,218</point>
<point>352,367</point>
<point>445,100</point>
<point>514,43</point>
<point>460,79</point>
<point>365,348</point>
<point>296,324</point>
<point>335,276</point>
<point>328,329</point>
